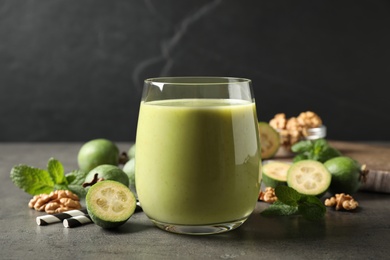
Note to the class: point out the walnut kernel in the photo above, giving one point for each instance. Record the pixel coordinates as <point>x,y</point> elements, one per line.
<point>342,201</point>
<point>55,202</point>
<point>292,130</point>
<point>268,195</point>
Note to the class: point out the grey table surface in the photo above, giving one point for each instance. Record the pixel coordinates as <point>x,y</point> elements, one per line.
<point>363,234</point>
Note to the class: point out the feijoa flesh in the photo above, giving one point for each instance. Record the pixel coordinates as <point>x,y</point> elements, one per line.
<point>269,140</point>
<point>110,204</point>
<point>275,173</point>
<point>309,177</point>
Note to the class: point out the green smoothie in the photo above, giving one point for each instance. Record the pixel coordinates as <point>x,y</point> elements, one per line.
<point>197,160</point>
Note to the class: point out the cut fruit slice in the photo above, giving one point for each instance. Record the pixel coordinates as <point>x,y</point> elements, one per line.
<point>269,140</point>
<point>275,173</point>
<point>309,177</point>
<point>110,203</point>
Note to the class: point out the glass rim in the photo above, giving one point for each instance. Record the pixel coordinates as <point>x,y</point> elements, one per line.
<point>197,80</point>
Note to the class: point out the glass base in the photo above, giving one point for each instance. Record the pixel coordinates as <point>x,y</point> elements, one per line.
<point>199,229</point>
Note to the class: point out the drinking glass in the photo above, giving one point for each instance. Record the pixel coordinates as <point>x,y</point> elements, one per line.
<point>198,165</point>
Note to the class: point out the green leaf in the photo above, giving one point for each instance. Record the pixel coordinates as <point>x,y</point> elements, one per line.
<point>279,209</point>
<point>292,202</point>
<point>300,157</point>
<point>70,177</point>
<point>62,186</point>
<point>318,150</point>
<point>319,146</point>
<point>287,195</point>
<point>302,146</point>
<point>56,171</point>
<point>76,177</point>
<point>312,208</point>
<point>32,180</point>
<point>320,143</point>
<point>329,153</point>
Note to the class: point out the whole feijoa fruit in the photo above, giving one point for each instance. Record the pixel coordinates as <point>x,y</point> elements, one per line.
<point>110,204</point>
<point>131,152</point>
<point>129,169</point>
<point>108,172</point>
<point>346,174</point>
<point>97,152</point>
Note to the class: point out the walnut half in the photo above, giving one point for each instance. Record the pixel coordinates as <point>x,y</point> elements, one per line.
<point>342,201</point>
<point>55,202</point>
<point>268,195</point>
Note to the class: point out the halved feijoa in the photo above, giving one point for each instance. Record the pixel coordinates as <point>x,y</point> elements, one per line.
<point>309,177</point>
<point>275,173</point>
<point>269,140</point>
<point>110,203</point>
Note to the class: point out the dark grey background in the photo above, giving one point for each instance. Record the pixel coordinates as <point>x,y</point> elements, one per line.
<point>72,70</point>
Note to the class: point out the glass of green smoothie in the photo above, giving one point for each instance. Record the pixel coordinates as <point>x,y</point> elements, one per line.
<point>198,165</point>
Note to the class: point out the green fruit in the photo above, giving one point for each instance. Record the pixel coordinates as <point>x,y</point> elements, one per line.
<point>269,140</point>
<point>129,169</point>
<point>275,173</point>
<point>309,177</point>
<point>110,204</point>
<point>346,174</point>
<point>108,172</point>
<point>131,152</point>
<point>97,152</point>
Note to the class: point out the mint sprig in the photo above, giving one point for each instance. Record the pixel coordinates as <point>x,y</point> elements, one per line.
<point>36,181</point>
<point>32,180</point>
<point>76,179</point>
<point>291,202</point>
<point>318,150</point>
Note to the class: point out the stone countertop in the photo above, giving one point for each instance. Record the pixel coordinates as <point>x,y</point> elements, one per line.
<point>362,234</point>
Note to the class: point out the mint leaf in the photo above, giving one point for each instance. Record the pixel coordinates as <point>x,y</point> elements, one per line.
<point>292,202</point>
<point>302,146</point>
<point>279,209</point>
<point>318,150</point>
<point>287,195</point>
<point>312,208</point>
<point>76,177</point>
<point>311,211</point>
<point>300,157</point>
<point>32,180</point>
<point>56,171</point>
<point>328,153</point>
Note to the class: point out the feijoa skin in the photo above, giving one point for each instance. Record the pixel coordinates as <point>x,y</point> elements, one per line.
<point>97,152</point>
<point>275,173</point>
<point>129,169</point>
<point>131,152</point>
<point>269,140</point>
<point>345,175</point>
<point>110,204</point>
<point>108,172</point>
